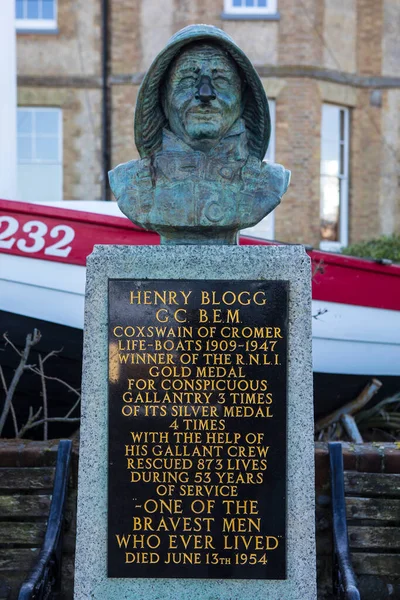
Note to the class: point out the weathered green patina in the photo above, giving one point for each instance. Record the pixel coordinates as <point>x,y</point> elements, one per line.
<point>202,128</point>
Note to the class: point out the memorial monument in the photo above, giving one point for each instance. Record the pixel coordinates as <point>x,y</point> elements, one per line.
<point>202,128</point>
<point>196,464</point>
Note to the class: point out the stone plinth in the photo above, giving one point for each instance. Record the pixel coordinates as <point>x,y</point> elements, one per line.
<point>285,263</point>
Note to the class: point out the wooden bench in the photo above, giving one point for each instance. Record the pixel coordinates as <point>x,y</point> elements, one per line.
<point>32,509</point>
<point>366,532</point>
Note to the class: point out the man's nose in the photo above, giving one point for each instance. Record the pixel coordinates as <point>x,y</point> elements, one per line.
<point>205,90</point>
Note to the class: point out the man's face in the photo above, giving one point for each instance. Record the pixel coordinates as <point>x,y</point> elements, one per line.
<point>203,96</point>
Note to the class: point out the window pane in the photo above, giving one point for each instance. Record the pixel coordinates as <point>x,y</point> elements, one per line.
<point>46,149</point>
<point>270,155</point>
<point>48,9</point>
<point>39,157</point>
<point>237,3</point>
<point>270,152</point>
<point>334,173</point>
<point>46,122</point>
<point>329,157</point>
<point>24,148</point>
<point>33,9</point>
<point>330,197</point>
<point>24,121</point>
<point>330,123</point>
<point>250,3</point>
<point>262,3</point>
<point>19,9</point>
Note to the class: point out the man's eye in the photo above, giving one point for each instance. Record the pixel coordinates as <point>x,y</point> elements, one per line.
<point>188,79</point>
<point>220,79</point>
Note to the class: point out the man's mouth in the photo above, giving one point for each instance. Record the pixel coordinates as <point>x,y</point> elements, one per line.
<point>203,114</point>
<point>203,110</point>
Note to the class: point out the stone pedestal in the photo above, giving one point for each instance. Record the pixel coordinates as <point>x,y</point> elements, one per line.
<point>207,264</point>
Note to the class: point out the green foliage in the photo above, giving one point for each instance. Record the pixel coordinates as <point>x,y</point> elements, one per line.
<point>386,246</point>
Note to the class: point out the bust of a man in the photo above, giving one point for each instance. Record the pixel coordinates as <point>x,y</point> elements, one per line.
<point>202,128</point>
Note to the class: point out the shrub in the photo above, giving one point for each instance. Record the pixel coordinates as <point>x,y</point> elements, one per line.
<point>386,246</point>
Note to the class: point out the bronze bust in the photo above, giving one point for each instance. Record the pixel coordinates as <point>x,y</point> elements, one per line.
<point>202,128</point>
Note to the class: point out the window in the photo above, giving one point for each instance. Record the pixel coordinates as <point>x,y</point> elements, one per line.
<point>334,177</point>
<point>36,15</point>
<point>265,228</point>
<point>39,154</point>
<point>250,7</point>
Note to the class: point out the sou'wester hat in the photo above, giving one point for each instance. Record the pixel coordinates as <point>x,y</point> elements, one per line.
<point>149,115</point>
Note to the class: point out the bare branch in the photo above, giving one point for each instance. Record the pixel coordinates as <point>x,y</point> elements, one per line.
<point>44,396</point>
<point>30,421</point>
<point>71,389</point>
<point>3,381</point>
<point>32,424</point>
<point>52,353</point>
<point>33,419</point>
<point>13,415</point>
<point>14,419</point>
<point>9,343</point>
<point>31,340</point>
<point>318,268</point>
<point>73,408</point>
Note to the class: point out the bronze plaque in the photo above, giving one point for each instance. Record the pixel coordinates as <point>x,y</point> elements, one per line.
<point>197,429</point>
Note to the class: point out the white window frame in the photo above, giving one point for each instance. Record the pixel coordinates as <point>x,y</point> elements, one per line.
<point>38,161</point>
<point>336,246</point>
<point>37,109</point>
<point>29,24</point>
<point>270,9</point>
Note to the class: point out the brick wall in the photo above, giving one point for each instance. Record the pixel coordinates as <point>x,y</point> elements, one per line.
<point>298,117</point>
<point>370,458</point>
<point>74,50</point>
<point>369,37</point>
<point>340,35</point>
<point>123,147</point>
<point>347,36</point>
<point>365,168</point>
<point>63,70</point>
<point>81,136</point>
<point>390,39</point>
<point>389,201</point>
<point>300,32</point>
<point>125,36</point>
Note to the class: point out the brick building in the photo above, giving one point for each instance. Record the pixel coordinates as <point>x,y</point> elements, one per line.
<point>330,67</point>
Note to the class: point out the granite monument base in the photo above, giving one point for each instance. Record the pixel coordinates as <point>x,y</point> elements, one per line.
<point>196,473</point>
